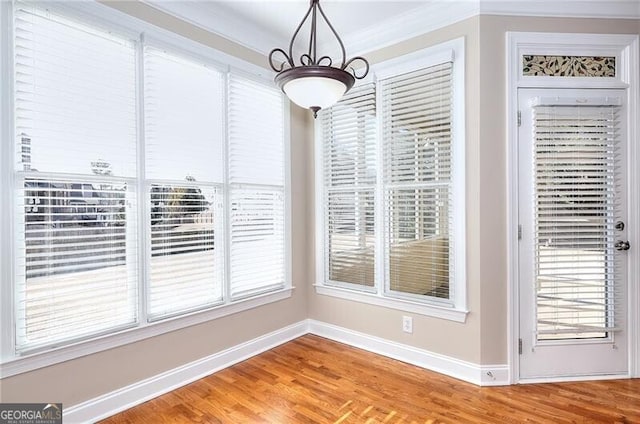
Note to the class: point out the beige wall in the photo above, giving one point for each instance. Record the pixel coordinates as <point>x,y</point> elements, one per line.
<point>81,379</point>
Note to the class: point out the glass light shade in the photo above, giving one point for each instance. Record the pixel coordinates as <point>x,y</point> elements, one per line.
<point>318,92</point>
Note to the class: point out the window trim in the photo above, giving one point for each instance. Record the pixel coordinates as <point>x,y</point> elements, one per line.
<point>453,49</point>
<point>19,365</point>
<point>143,33</point>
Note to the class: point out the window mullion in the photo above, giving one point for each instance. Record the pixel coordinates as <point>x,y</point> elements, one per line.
<point>226,195</point>
<point>144,209</point>
<point>381,257</point>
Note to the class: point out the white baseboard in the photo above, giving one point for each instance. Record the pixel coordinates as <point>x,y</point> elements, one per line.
<point>119,400</point>
<point>111,403</point>
<point>576,378</point>
<point>481,375</point>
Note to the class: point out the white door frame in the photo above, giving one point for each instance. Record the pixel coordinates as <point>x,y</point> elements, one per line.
<point>625,49</point>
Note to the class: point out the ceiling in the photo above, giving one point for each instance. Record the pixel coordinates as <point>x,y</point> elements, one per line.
<point>365,25</point>
<point>280,18</point>
<point>265,24</point>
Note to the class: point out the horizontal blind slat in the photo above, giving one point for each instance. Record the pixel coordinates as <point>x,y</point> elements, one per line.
<point>417,114</point>
<point>184,109</point>
<point>575,174</point>
<point>64,130</point>
<point>186,248</point>
<point>257,199</point>
<point>349,142</point>
<point>76,271</point>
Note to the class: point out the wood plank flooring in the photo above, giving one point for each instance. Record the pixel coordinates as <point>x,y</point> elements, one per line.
<point>315,380</point>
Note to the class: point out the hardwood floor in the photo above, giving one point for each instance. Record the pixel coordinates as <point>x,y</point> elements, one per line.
<point>314,380</point>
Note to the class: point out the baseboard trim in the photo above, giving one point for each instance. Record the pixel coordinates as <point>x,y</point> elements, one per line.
<point>119,400</point>
<point>481,375</point>
<point>568,379</point>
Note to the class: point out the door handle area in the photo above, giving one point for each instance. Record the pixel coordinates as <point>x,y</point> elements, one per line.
<point>622,245</point>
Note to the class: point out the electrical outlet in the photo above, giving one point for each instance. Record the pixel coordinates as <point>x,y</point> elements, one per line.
<point>407,324</point>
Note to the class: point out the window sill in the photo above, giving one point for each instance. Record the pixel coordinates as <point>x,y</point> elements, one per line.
<point>451,314</point>
<point>19,365</point>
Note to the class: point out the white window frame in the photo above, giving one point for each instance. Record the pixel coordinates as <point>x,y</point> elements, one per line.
<point>379,295</point>
<point>106,17</point>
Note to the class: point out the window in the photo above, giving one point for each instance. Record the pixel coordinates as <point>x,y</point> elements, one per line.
<point>76,264</point>
<point>184,167</point>
<point>392,186</point>
<point>416,122</point>
<point>349,148</point>
<point>256,177</point>
<point>577,164</point>
<point>150,182</point>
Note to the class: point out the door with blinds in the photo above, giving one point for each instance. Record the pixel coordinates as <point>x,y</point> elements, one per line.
<point>572,216</point>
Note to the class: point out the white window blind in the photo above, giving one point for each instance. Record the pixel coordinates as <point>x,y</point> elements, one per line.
<point>184,105</point>
<point>57,62</point>
<point>184,138</point>
<point>153,173</point>
<point>349,134</point>
<point>75,115</point>
<point>576,161</point>
<point>416,110</point>
<point>256,155</point>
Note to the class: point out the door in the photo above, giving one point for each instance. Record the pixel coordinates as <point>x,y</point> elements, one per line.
<point>572,250</point>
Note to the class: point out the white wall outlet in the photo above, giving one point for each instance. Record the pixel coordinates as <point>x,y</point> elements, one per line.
<point>407,324</point>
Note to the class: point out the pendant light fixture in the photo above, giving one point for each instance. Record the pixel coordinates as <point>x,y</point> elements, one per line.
<point>315,83</point>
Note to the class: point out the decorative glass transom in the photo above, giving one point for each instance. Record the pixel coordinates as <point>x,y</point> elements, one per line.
<point>569,66</point>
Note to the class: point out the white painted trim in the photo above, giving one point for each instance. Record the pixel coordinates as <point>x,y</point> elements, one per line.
<point>537,43</point>
<point>319,192</point>
<point>414,22</point>
<point>458,265</point>
<point>7,329</point>
<point>485,375</point>
<point>111,403</point>
<point>288,221</point>
<point>625,49</point>
<point>127,397</point>
<point>512,179</point>
<point>574,378</point>
<point>77,350</point>
<point>380,294</point>
<point>432,16</point>
<point>405,305</point>
<point>449,51</point>
<point>494,375</point>
<point>632,54</point>
<point>222,22</point>
<point>609,9</point>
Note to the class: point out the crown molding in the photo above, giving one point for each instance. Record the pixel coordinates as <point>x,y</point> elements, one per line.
<point>217,20</point>
<point>604,9</point>
<point>433,15</point>
<point>438,14</point>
